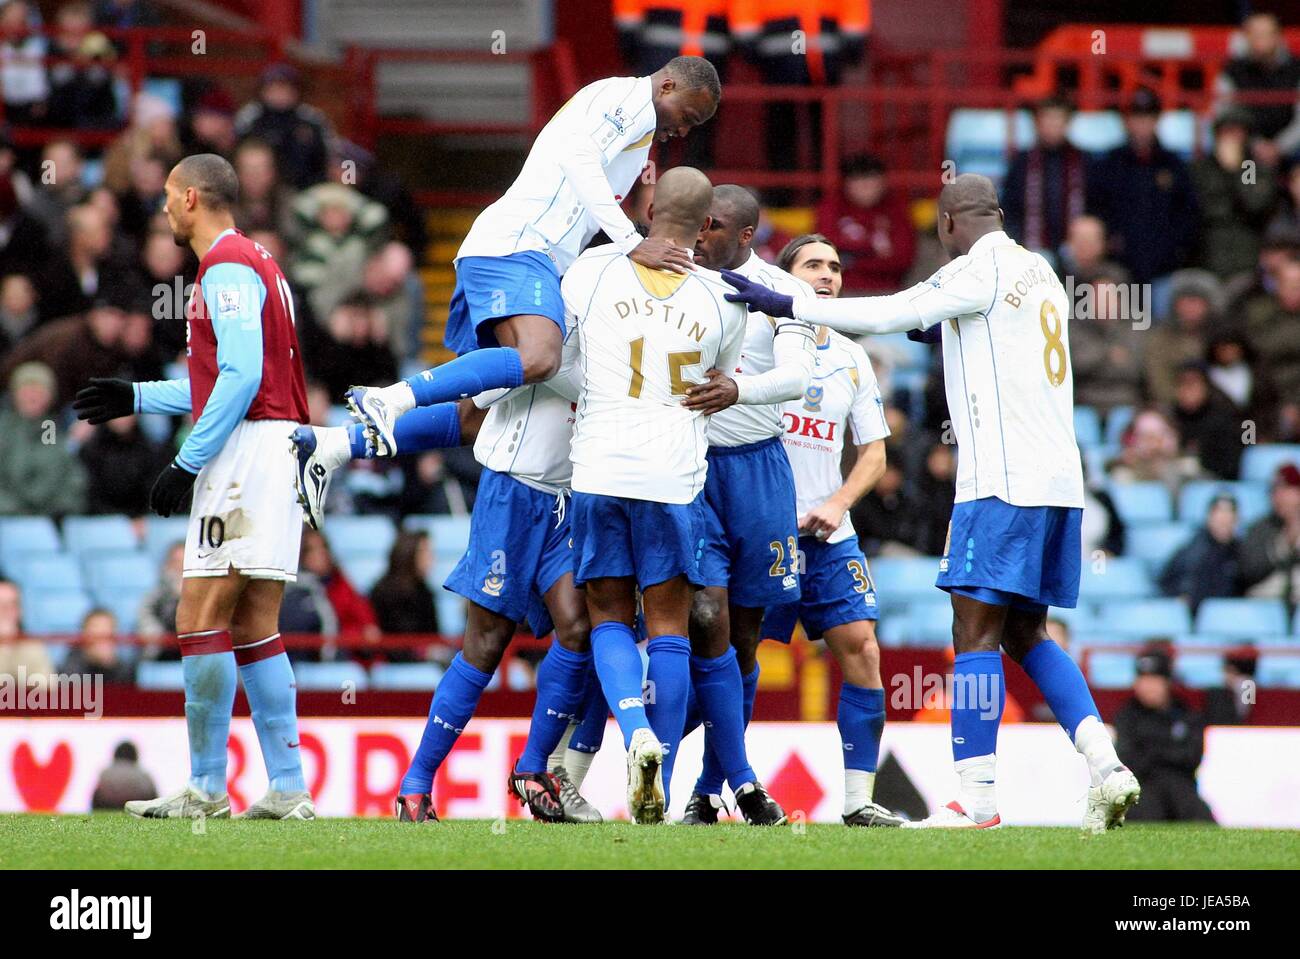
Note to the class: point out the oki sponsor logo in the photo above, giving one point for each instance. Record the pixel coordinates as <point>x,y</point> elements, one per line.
<point>809,426</point>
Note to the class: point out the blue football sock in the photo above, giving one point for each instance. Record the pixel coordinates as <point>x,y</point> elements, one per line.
<point>272,699</point>
<point>618,663</point>
<point>208,671</point>
<point>861,718</point>
<point>453,705</point>
<point>595,711</point>
<point>693,718</point>
<point>1062,684</point>
<point>719,689</point>
<point>561,685</point>
<point>711,774</point>
<point>468,375</point>
<point>979,694</point>
<point>357,442</point>
<point>668,680</point>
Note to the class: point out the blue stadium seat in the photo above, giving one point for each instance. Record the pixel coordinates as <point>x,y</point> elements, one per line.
<point>1095,459</point>
<point>1144,618</point>
<point>1213,641</point>
<point>161,534</point>
<point>1278,641</point>
<point>1259,463</point>
<point>21,535</point>
<point>977,140</point>
<point>1177,132</point>
<point>360,535</point>
<point>1120,576</point>
<point>405,676</point>
<point>1081,619</point>
<point>903,579</point>
<point>155,675</point>
<point>450,534</point>
<point>128,572</point>
<point>1117,421</point>
<point>1241,617</point>
<point>1295,624</point>
<point>1096,637</point>
<point>84,536</point>
<point>1087,426</point>
<point>451,612</point>
<point>361,569</point>
<point>1199,670</point>
<point>1195,497</point>
<point>330,677</point>
<point>46,571</point>
<point>1142,502</point>
<point>1112,670</point>
<point>1155,543</point>
<point>124,605</point>
<point>1096,131</point>
<point>47,611</point>
<point>930,625</point>
<point>1278,671</point>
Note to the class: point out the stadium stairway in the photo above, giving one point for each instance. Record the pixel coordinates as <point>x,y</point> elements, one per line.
<point>447,227</point>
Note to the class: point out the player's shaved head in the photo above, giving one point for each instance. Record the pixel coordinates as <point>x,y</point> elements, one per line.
<point>968,209</point>
<point>683,196</point>
<point>739,204</point>
<point>969,195</point>
<point>695,73</point>
<point>212,177</point>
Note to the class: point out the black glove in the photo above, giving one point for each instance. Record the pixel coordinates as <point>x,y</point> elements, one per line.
<point>933,335</point>
<point>104,400</point>
<point>170,489</point>
<point>756,296</point>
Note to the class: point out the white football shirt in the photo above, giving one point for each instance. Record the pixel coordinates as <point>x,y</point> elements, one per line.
<point>1006,367</point>
<point>580,167</point>
<point>739,425</point>
<point>843,395</point>
<point>644,338</point>
<point>527,434</point>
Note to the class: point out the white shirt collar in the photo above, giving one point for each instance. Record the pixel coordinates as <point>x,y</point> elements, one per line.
<point>996,238</point>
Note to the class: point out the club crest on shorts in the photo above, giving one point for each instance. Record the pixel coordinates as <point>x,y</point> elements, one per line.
<point>812,398</point>
<point>492,585</point>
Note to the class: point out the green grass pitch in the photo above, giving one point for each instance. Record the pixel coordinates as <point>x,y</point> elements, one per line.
<point>115,841</point>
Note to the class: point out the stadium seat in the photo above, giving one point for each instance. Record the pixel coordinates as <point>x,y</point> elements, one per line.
<point>1117,421</point>
<point>1195,497</point>
<point>1096,458</point>
<point>1177,132</point>
<point>330,677</point>
<point>930,625</point>
<point>128,572</point>
<point>450,534</point>
<point>1096,131</point>
<point>900,580</point>
<point>1145,618</point>
<point>1112,670</point>
<point>154,675</point>
<point>1155,543</point>
<point>362,570</point>
<point>21,535</point>
<point>1199,670</point>
<point>1194,641</point>
<point>360,535</point>
<point>1295,624</point>
<point>1095,638</point>
<point>977,140</point>
<point>47,611</point>
<point>405,676</point>
<point>84,536</point>
<point>1278,641</point>
<point>160,534</point>
<point>1279,671</point>
<point>1080,619</point>
<point>1142,502</point>
<point>1120,576</point>
<point>46,571</point>
<point>124,605</point>
<point>451,612</point>
<point>1087,426</point>
<point>1259,463</point>
<point>1241,618</point>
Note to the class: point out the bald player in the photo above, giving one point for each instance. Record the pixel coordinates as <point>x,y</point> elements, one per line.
<point>246,393</point>
<point>506,318</point>
<point>1013,544</point>
<point>644,338</point>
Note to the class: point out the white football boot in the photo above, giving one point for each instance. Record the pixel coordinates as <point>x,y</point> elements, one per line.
<point>281,805</point>
<point>645,782</point>
<point>1110,801</point>
<point>189,803</point>
<point>953,816</point>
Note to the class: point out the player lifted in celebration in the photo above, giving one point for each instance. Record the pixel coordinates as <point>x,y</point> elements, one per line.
<point>506,316</point>
<point>639,466</point>
<point>837,599</point>
<point>247,394</point>
<point>751,532</point>
<point>1013,545</point>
